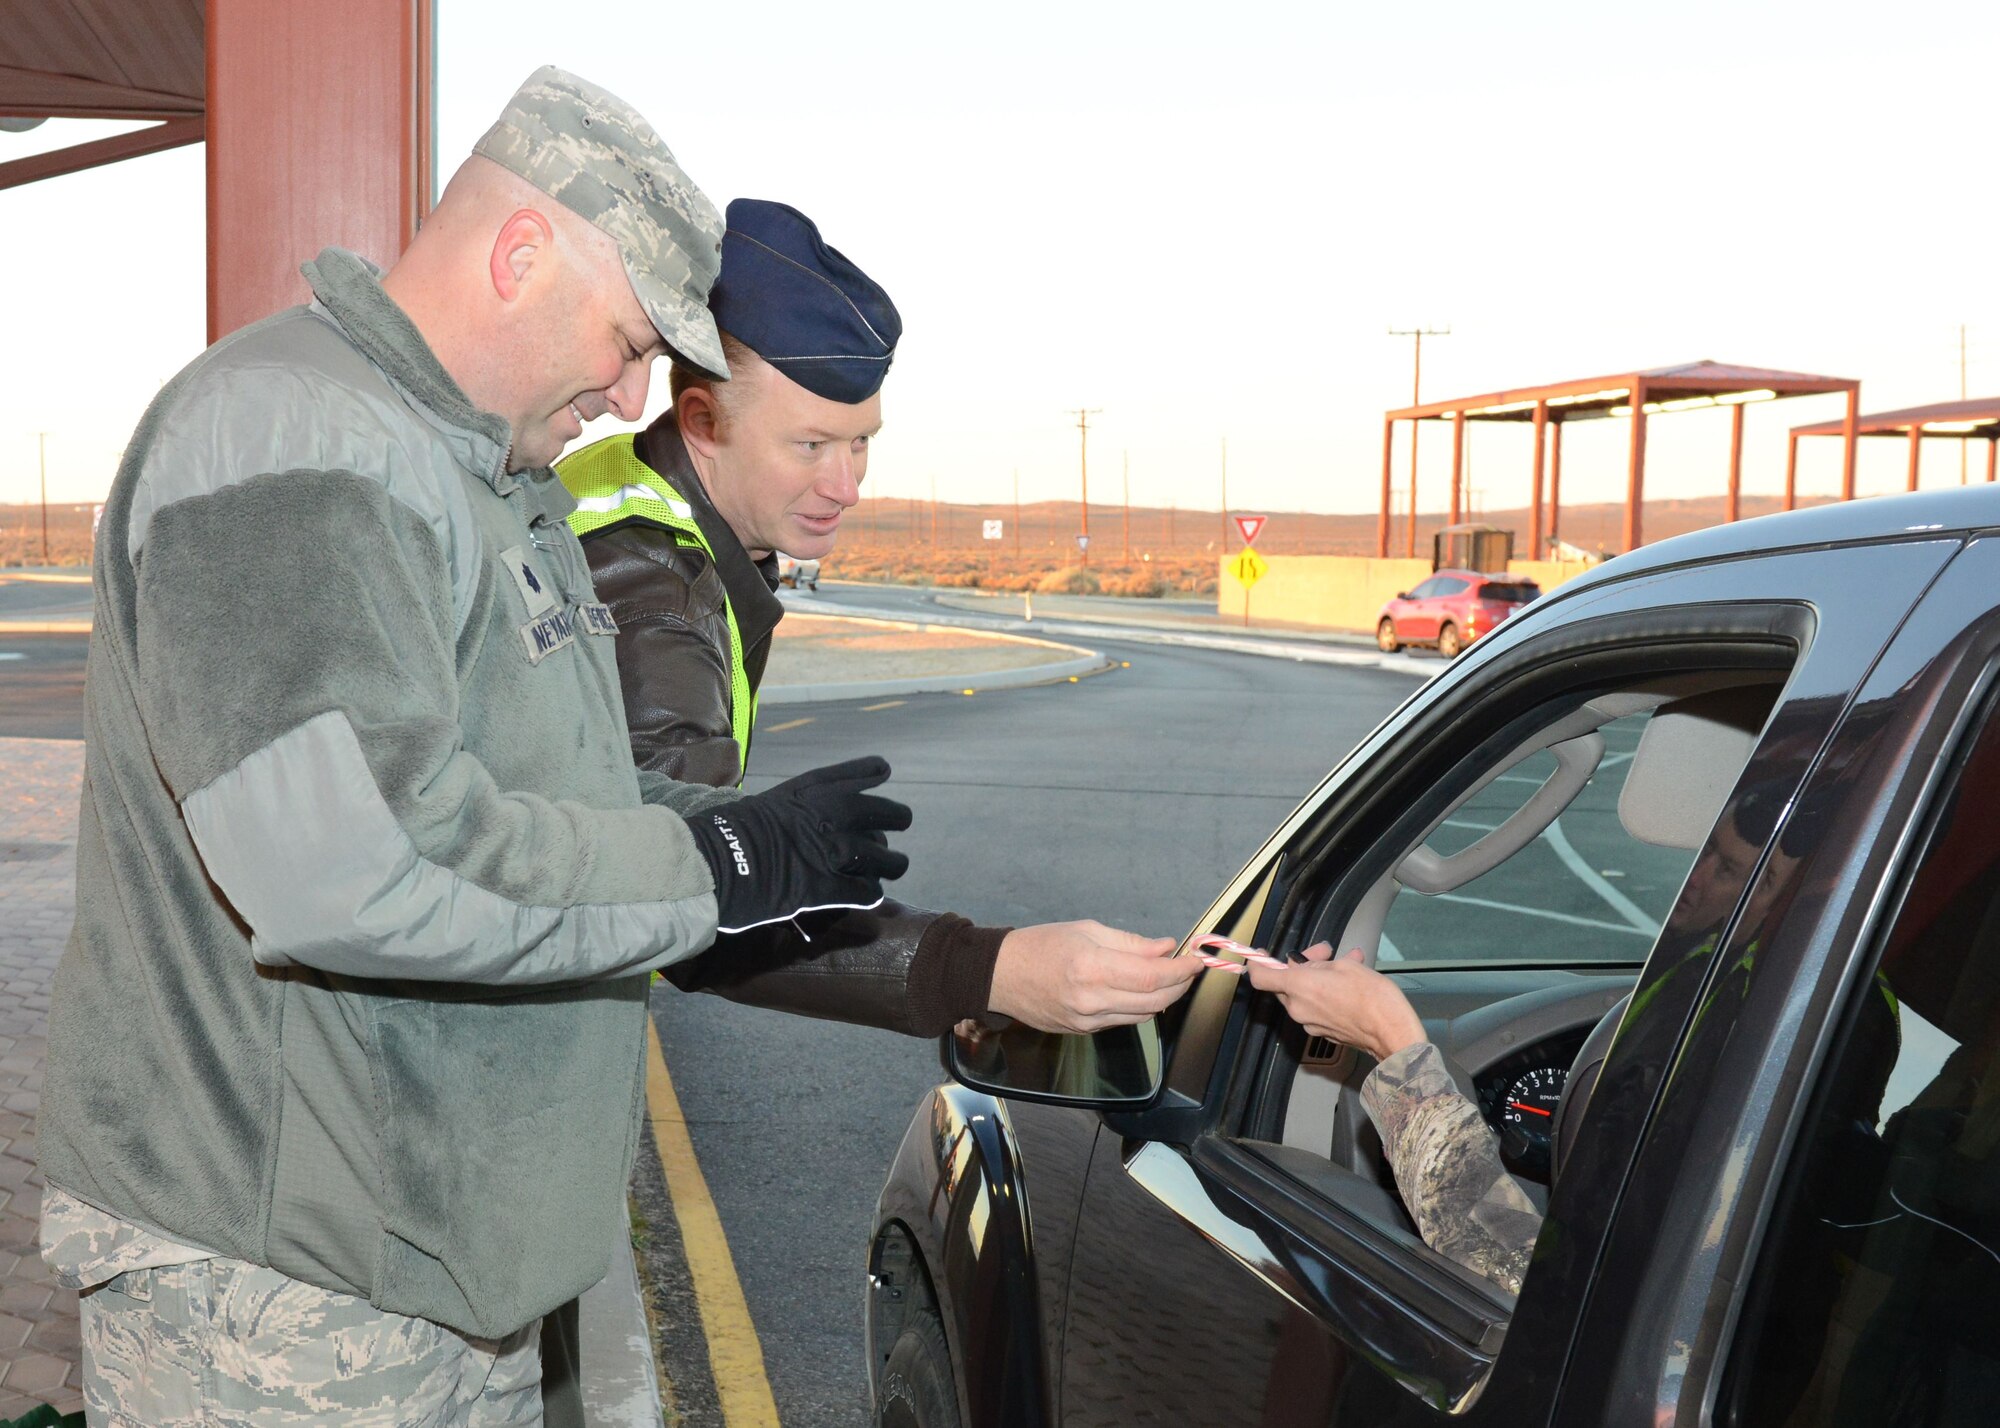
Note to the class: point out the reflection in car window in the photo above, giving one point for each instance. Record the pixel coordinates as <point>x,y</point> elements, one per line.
<point>1587,890</point>
<point>1448,585</point>
<point>1878,1298</point>
<point>1425,590</point>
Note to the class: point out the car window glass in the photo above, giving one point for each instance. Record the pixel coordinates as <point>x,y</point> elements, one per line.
<point>1424,590</point>
<point>1517,592</point>
<point>1586,890</point>
<point>1448,585</point>
<point>1877,1298</point>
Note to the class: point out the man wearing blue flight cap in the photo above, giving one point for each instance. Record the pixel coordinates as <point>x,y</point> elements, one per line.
<point>682,523</point>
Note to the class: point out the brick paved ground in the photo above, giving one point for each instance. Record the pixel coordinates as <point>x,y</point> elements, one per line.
<point>39,779</point>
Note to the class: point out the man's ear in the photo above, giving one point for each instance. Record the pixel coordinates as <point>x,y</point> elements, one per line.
<point>525,239</point>
<point>699,416</point>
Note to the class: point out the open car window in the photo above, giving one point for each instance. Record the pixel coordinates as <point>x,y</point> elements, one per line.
<point>1571,846</point>
<point>1562,847</point>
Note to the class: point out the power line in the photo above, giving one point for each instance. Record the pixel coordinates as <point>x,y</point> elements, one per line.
<point>1083,416</point>
<point>1416,398</point>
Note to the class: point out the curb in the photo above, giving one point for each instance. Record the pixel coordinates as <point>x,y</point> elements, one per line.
<point>943,682</point>
<point>1304,653</point>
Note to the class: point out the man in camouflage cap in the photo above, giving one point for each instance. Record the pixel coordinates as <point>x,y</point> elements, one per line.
<point>344,1053</point>
<point>597,156</point>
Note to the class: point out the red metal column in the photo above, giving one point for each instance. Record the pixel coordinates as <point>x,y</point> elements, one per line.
<point>1992,457</point>
<point>1382,521</point>
<point>1792,472</point>
<point>1916,452</point>
<point>319,132</point>
<point>1635,472</point>
<point>1734,509</point>
<point>1556,483</point>
<point>1850,433</point>
<point>1535,493</point>
<point>1457,460</point>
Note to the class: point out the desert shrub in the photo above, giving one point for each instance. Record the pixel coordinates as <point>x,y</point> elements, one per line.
<point>1140,584</point>
<point>1070,580</point>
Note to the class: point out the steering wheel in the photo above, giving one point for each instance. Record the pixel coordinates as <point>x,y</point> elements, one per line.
<point>1580,1082</point>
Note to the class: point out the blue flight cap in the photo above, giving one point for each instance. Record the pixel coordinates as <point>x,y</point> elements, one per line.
<point>801,305</point>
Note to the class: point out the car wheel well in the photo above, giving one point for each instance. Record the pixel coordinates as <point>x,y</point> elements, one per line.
<point>899,1289</point>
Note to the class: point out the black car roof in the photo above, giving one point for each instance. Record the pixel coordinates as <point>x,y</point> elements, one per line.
<point>1964,509</point>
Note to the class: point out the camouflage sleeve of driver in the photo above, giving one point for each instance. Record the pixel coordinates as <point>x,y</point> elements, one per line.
<point>1447,1165</point>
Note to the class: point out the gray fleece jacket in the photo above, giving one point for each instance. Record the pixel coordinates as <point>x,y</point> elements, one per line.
<point>367,892</point>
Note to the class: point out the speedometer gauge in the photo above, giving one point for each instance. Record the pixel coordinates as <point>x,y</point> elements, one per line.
<point>1530,1102</point>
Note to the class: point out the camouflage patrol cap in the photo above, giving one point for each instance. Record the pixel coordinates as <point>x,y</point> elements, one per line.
<point>598,157</point>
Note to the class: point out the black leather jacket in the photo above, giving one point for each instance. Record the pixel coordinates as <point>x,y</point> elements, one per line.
<point>902,968</point>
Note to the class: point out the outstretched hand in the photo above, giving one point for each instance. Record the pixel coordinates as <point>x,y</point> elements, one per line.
<point>1084,976</point>
<point>1344,999</point>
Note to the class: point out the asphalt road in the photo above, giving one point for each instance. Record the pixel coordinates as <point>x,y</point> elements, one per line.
<point>1129,797</point>
<point>41,685</point>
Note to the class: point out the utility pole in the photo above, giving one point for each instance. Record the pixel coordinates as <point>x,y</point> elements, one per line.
<point>1416,388</point>
<point>1224,547</point>
<point>42,439</point>
<point>1128,508</point>
<point>1083,417</point>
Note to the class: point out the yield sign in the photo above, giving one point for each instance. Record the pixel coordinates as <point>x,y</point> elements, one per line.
<point>1250,526</point>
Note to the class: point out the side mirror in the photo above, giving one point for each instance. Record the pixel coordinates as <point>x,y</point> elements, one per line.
<point>1402,594</point>
<point>1118,1067</point>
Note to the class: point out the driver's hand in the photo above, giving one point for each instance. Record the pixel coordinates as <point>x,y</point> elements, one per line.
<point>1343,999</point>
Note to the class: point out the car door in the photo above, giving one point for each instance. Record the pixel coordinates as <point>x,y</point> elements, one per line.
<point>1410,612</point>
<point>1830,1081</point>
<point>1220,1276</point>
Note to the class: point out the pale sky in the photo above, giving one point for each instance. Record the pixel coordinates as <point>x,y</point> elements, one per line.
<point>1202,219</point>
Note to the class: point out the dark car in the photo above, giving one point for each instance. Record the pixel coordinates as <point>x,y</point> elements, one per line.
<point>1451,610</point>
<point>1693,872</point>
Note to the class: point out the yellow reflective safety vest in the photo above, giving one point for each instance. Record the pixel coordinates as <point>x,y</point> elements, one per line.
<point>611,484</point>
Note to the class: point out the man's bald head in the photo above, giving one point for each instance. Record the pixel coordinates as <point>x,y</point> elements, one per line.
<point>528,307</point>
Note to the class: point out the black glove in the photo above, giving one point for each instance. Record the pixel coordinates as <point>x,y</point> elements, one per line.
<point>813,841</point>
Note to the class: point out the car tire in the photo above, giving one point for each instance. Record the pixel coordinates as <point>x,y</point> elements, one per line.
<point>1448,644</point>
<point>917,1390</point>
<point>814,584</point>
<point>1385,637</point>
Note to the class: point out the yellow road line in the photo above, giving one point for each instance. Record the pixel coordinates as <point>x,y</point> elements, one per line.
<point>788,724</point>
<point>734,1355</point>
<point>885,704</point>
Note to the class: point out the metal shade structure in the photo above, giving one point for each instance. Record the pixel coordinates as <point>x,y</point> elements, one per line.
<point>1975,420</point>
<point>101,59</point>
<point>318,120</point>
<point>1635,395</point>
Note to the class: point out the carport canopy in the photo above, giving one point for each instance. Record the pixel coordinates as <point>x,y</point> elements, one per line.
<point>1961,421</point>
<point>1636,395</point>
<point>317,120</point>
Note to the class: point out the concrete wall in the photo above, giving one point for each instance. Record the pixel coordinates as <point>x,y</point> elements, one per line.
<point>1346,592</point>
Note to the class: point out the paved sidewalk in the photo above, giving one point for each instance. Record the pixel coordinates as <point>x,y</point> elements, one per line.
<point>39,780</point>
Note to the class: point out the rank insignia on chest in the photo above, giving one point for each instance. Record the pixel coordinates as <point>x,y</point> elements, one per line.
<point>528,580</point>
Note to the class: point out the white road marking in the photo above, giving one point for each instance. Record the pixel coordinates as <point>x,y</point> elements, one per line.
<point>1592,879</point>
<point>1572,919</point>
<point>10,654</point>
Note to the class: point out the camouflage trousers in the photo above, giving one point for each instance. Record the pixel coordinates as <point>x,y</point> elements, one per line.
<point>224,1344</point>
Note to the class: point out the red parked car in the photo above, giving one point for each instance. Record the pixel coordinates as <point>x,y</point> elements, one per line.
<point>1451,610</point>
